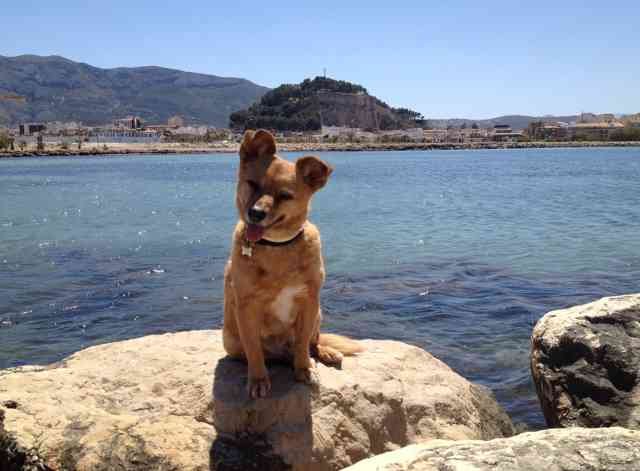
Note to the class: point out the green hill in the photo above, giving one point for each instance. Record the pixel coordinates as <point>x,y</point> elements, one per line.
<point>321,101</point>
<point>58,89</point>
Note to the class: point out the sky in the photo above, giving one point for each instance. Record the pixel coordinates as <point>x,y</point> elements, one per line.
<point>476,59</point>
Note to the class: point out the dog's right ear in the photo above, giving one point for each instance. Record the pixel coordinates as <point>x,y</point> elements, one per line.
<point>257,144</point>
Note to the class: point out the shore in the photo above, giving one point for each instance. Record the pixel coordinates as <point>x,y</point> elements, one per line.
<point>180,148</point>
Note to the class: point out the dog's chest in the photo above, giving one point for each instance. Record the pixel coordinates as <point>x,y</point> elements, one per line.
<point>283,306</point>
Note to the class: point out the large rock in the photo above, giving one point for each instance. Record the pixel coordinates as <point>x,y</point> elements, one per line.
<point>585,362</point>
<point>175,402</point>
<point>577,449</point>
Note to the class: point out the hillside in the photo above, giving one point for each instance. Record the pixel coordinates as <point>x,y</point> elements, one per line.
<point>58,89</point>
<point>321,101</point>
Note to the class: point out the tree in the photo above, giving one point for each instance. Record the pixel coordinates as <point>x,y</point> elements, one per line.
<point>628,133</point>
<point>474,126</point>
<point>4,140</point>
<point>386,122</point>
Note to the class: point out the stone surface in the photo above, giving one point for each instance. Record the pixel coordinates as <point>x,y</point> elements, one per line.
<point>174,402</point>
<point>576,449</point>
<point>585,362</point>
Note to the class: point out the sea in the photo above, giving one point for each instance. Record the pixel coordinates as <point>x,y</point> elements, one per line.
<point>457,252</point>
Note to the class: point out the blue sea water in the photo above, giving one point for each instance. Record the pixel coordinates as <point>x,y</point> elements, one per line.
<point>459,252</point>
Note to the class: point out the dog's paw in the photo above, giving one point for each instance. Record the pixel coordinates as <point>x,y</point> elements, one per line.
<point>259,387</point>
<point>329,356</point>
<point>303,375</point>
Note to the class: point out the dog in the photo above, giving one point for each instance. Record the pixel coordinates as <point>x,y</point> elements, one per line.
<point>275,272</point>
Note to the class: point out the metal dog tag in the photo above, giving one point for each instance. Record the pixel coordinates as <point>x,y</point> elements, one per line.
<point>247,251</point>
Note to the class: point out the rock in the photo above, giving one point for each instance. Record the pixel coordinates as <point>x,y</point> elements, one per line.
<point>175,402</point>
<point>585,362</point>
<point>576,449</point>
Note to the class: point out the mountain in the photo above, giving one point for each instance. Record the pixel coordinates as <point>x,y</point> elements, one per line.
<point>322,101</point>
<point>58,89</point>
<point>517,122</point>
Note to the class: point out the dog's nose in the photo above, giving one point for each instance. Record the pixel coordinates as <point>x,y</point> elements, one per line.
<point>256,215</point>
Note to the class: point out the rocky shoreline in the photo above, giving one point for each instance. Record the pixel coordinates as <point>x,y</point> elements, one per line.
<point>121,149</point>
<point>176,402</point>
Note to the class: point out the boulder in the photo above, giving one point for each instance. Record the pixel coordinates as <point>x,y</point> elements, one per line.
<point>175,402</point>
<point>576,449</point>
<point>585,362</point>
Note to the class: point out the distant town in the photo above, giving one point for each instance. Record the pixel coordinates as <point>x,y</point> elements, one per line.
<point>43,136</point>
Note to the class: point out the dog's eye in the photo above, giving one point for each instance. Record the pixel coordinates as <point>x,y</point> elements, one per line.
<point>285,196</point>
<point>254,186</point>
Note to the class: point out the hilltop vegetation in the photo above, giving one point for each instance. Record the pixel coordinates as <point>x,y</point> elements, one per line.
<point>321,101</point>
<point>58,89</point>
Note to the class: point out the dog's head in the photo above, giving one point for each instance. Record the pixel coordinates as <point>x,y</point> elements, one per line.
<point>273,194</point>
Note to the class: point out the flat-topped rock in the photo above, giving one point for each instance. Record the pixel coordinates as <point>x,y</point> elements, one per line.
<point>585,362</point>
<point>175,401</point>
<point>575,449</point>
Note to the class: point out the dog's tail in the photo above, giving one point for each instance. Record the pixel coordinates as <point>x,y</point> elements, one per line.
<point>342,344</point>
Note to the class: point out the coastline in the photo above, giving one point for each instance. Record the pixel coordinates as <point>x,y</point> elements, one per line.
<point>175,148</point>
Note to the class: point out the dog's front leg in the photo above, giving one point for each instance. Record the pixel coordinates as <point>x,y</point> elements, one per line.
<point>249,326</point>
<point>304,328</point>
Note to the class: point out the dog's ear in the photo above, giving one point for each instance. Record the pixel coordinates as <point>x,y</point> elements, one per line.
<point>257,144</point>
<point>313,171</point>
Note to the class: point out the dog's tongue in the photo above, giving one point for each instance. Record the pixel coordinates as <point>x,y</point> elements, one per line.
<point>254,232</point>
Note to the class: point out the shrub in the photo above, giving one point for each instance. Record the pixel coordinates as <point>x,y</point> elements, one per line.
<point>5,141</point>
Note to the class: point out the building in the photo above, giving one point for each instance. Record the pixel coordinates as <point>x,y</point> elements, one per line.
<point>105,135</point>
<point>592,118</point>
<point>435,136</point>
<point>599,131</point>
<point>175,122</point>
<point>632,120</point>
<point>504,133</point>
<point>192,130</point>
<point>130,122</point>
<point>29,129</point>
<point>411,134</point>
<point>160,128</point>
<point>548,131</point>
<point>338,131</point>
<point>64,128</point>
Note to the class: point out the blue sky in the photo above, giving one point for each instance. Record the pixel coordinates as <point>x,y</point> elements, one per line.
<point>445,59</point>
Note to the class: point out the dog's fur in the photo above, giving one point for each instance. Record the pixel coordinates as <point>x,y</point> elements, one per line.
<point>272,297</point>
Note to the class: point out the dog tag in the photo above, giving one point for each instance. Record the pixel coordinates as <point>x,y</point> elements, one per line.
<point>247,251</point>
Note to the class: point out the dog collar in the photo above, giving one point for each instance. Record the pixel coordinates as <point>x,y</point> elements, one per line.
<point>247,247</point>
<point>279,243</point>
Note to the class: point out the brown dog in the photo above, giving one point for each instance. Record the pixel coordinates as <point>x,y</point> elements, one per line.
<point>275,272</point>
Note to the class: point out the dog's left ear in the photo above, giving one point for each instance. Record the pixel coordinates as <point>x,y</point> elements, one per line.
<point>257,144</point>
<point>313,172</point>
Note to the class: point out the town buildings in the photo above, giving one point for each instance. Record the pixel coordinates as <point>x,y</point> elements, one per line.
<point>132,129</point>
<point>130,122</point>
<point>30,129</point>
<point>548,131</point>
<point>588,127</point>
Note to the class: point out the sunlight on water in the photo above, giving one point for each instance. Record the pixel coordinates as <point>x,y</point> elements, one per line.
<point>459,252</point>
